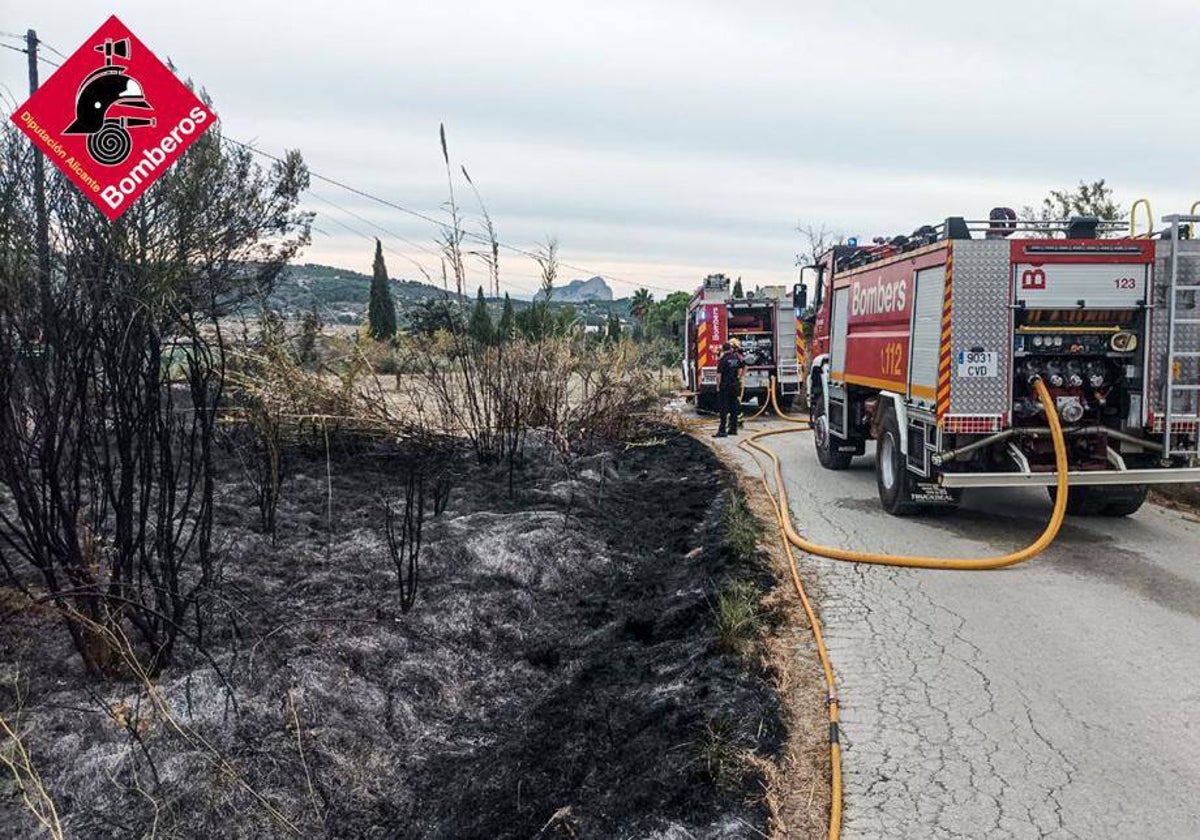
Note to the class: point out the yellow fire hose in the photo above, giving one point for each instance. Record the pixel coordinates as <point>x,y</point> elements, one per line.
<point>917,562</point>
<point>766,403</point>
<point>789,538</point>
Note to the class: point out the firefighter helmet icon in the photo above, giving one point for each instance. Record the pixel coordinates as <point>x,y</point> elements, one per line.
<point>107,88</point>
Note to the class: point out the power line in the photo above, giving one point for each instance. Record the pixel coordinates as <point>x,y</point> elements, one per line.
<point>381,228</point>
<point>385,202</point>
<point>370,238</point>
<point>441,224</point>
<point>319,229</point>
<point>40,58</point>
<point>426,217</point>
<point>52,49</point>
<point>342,185</point>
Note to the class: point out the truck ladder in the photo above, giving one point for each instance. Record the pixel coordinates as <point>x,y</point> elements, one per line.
<point>1189,393</point>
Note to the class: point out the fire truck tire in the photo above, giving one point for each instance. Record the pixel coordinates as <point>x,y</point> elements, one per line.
<point>891,470</point>
<point>785,400</point>
<point>827,453</point>
<point>707,401</point>
<point>1120,500</point>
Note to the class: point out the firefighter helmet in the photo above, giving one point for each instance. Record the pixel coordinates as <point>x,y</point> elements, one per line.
<point>101,90</point>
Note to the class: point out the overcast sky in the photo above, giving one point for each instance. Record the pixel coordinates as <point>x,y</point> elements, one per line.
<point>660,141</point>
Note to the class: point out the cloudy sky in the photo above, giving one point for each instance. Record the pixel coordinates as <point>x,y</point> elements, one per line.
<point>663,140</point>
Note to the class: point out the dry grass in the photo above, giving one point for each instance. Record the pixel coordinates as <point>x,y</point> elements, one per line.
<point>796,785</point>
<point>739,616</point>
<point>723,761</point>
<point>27,781</point>
<point>743,530</point>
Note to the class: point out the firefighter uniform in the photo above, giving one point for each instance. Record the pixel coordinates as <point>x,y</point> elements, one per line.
<point>729,386</point>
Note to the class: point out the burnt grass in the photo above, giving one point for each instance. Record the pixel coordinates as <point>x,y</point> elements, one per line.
<point>559,674</point>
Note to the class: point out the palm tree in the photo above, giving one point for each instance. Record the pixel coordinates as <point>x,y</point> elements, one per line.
<point>640,306</point>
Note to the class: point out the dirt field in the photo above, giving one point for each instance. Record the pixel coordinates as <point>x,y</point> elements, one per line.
<point>559,674</point>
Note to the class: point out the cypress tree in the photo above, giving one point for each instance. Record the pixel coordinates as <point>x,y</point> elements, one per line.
<point>614,327</point>
<point>381,311</point>
<point>737,289</point>
<point>480,327</point>
<point>508,321</point>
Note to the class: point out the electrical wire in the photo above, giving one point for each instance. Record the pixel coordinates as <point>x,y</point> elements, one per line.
<point>445,226</point>
<point>401,208</point>
<point>369,237</point>
<point>412,242</point>
<point>52,49</point>
<point>40,58</point>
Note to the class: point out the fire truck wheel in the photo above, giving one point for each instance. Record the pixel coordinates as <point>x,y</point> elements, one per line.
<point>1119,500</point>
<point>827,453</point>
<point>785,400</point>
<point>891,472</point>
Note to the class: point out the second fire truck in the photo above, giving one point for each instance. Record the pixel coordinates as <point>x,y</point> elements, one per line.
<point>763,322</point>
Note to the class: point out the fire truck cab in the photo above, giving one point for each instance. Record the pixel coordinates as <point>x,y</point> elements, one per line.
<point>927,345</point>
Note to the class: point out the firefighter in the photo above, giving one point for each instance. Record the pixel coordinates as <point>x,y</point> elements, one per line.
<point>729,386</point>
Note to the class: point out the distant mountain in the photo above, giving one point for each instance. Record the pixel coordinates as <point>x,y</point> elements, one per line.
<point>341,296</point>
<point>339,293</point>
<point>581,291</point>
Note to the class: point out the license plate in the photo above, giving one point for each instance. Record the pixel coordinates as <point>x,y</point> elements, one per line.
<point>975,364</point>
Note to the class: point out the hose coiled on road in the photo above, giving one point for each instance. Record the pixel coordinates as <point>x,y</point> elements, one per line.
<point>790,538</point>
<point>919,562</point>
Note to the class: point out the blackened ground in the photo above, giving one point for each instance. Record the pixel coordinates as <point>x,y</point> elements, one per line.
<point>558,676</point>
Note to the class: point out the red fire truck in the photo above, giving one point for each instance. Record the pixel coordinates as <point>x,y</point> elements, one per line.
<point>927,344</point>
<point>765,324</point>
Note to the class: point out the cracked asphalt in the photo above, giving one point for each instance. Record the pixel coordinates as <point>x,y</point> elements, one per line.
<point>1059,698</point>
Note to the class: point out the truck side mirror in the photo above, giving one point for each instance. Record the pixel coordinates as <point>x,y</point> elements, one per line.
<point>800,297</point>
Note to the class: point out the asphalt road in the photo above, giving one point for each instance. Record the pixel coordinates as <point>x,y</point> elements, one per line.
<point>1058,698</point>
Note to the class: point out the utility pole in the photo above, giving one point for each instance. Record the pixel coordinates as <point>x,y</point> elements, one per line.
<point>39,182</point>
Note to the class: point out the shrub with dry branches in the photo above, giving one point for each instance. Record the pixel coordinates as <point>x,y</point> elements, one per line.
<point>111,370</point>
<point>16,759</point>
<point>494,394</point>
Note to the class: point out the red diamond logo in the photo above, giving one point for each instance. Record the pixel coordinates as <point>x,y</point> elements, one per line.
<point>113,118</point>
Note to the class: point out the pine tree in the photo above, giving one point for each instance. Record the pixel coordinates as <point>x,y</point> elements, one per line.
<point>737,289</point>
<point>508,323</point>
<point>381,311</point>
<point>480,327</point>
